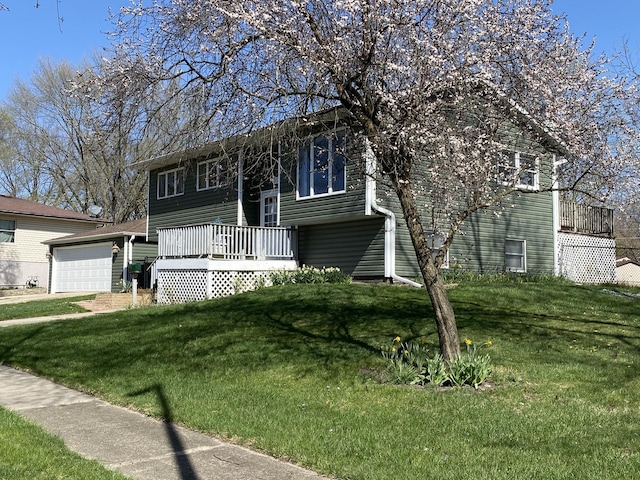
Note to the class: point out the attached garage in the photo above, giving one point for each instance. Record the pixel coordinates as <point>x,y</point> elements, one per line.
<point>98,260</point>
<point>86,268</point>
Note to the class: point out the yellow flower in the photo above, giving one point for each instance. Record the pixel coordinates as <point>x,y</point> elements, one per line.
<point>393,349</point>
<point>397,339</point>
<point>468,341</point>
<point>489,343</point>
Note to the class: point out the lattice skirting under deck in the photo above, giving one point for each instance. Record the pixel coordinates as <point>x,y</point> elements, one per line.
<point>191,285</point>
<point>587,259</point>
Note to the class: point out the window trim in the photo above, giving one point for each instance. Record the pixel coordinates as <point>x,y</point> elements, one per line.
<point>515,166</point>
<point>264,194</point>
<point>11,232</point>
<point>523,256</point>
<point>222,173</point>
<point>309,145</point>
<point>179,181</point>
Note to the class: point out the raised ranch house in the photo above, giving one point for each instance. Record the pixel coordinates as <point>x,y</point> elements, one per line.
<point>102,259</point>
<point>24,226</point>
<point>221,225</point>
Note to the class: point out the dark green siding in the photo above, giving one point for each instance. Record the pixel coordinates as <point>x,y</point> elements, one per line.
<point>116,266</point>
<point>327,208</point>
<point>192,207</point>
<point>356,247</point>
<point>144,250</point>
<point>480,245</point>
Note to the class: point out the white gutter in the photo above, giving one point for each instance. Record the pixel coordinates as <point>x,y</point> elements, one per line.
<point>389,222</point>
<point>555,194</point>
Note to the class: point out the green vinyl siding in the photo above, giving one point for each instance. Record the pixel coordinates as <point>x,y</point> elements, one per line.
<point>356,247</point>
<point>117,267</point>
<point>325,208</point>
<point>144,250</point>
<point>192,207</point>
<point>480,244</point>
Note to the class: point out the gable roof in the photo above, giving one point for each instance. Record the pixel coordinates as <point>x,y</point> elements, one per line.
<point>269,132</point>
<point>135,227</point>
<point>19,206</point>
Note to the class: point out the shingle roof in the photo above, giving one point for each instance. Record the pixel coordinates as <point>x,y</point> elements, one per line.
<point>135,227</point>
<point>19,206</point>
<point>620,262</point>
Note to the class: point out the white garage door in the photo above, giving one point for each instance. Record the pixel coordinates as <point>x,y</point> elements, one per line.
<point>82,269</point>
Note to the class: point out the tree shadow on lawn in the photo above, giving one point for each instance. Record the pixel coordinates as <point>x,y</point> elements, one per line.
<point>555,339</point>
<point>308,328</point>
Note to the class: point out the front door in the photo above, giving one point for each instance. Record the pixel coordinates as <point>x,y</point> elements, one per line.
<point>269,209</point>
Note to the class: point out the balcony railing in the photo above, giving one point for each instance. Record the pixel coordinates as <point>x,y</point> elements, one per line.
<point>586,219</point>
<point>229,242</point>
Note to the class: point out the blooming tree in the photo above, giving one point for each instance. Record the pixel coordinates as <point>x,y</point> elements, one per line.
<point>429,84</point>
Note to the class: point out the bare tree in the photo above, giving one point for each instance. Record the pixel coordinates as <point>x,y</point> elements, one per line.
<point>71,144</point>
<point>428,84</point>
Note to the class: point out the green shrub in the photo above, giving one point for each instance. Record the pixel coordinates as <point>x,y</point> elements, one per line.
<point>307,274</point>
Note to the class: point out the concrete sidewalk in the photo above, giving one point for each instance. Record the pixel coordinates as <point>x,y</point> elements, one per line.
<point>51,318</point>
<point>131,443</point>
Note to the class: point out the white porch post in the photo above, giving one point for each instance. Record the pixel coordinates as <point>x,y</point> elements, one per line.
<point>556,213</point>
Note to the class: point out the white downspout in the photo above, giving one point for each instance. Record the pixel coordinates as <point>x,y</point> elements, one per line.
<point>127,258</point>
<point>555,194</point>
<point>130,251</point>
<point>240,215</point>
<point>389,222</point>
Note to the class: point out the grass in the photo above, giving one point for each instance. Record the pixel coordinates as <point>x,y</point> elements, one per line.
<point>292,371</point>
<point>28,453</point>
<point>43,308</point>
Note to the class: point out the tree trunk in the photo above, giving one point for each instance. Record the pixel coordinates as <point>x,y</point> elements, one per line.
<point>444,315</point>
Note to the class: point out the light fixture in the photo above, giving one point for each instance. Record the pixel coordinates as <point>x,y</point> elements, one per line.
<point>115,248</point>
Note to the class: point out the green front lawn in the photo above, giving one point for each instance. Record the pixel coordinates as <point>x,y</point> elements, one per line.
<point>29,453</point>
<point>43,308</point>
<point>294,371</point>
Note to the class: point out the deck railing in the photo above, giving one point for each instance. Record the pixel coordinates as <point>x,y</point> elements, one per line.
<point>229,242</point>
<point>586,219</point>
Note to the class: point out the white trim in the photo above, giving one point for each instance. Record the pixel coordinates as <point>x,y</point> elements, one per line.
<point>223,265</point>
<point>309,143</point>
<point>524,255</point>
<point>165,173</point>
<point>222,174</point>
<point>555,195</point>
<point>519,170</point>
<point>264,194</point>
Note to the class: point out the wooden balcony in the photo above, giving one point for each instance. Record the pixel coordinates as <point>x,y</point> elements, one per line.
<point>586,219</point>
<point>227,242</point>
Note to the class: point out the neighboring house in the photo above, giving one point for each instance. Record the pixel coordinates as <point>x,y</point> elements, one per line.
<point>102,259</point>
<point>216,237</point>
<point>628,272</point>
<point>24,226</point>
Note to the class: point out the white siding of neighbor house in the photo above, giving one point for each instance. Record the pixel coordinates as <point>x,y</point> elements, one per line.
<point>26,256</point>
<point>628,274</point>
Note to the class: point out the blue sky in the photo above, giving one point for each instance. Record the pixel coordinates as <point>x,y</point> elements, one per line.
<point>28,33</point>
